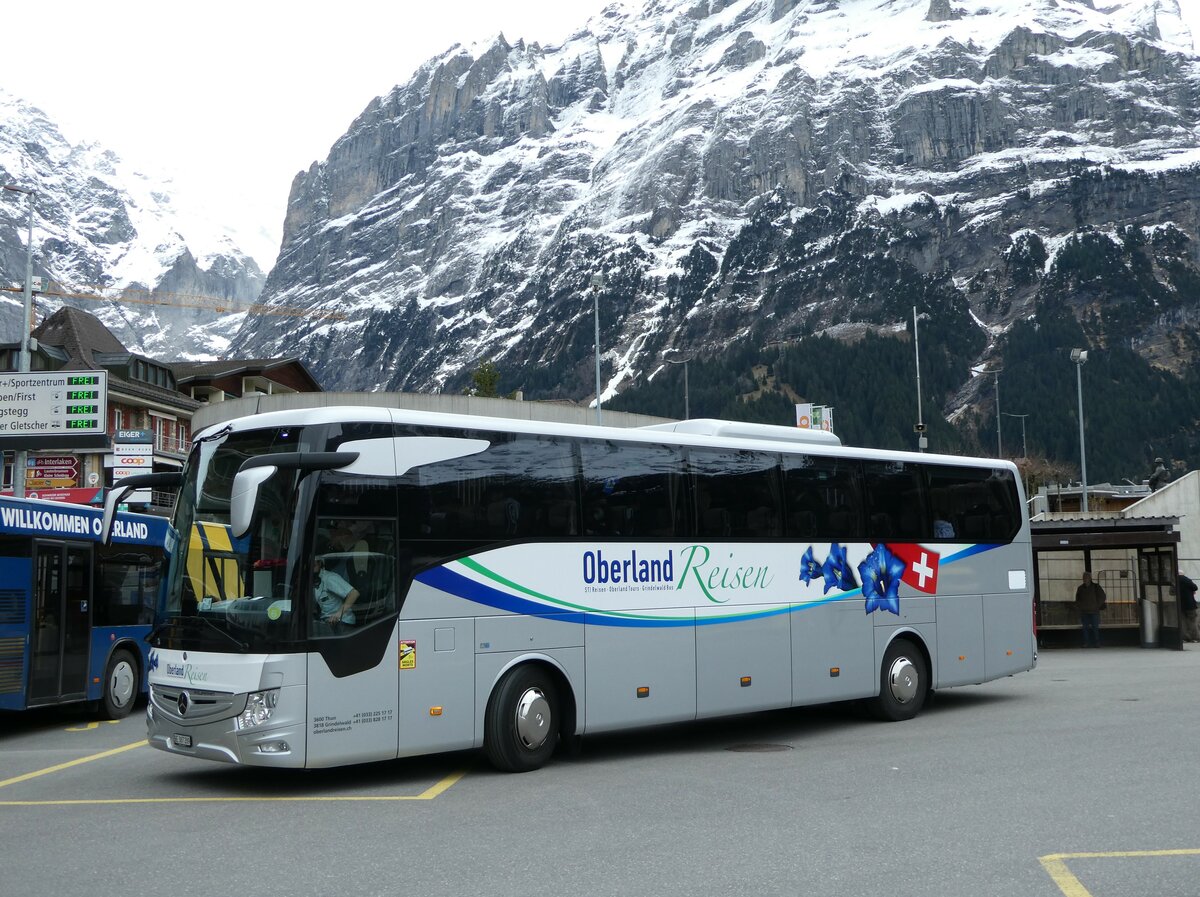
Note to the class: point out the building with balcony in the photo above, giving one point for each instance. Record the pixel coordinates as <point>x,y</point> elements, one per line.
<point>150,406</point>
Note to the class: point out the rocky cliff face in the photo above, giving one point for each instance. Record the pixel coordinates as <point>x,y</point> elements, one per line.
<point>754,169</point>
<point>102,228</point>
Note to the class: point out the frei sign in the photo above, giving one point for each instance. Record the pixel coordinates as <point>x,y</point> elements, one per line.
<point>54,404</point>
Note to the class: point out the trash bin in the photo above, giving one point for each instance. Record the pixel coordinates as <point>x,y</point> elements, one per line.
<point>1149,624</point>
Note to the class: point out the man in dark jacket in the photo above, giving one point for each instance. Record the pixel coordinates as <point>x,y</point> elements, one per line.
<point>1090,600</point>
<point>1187,604</point>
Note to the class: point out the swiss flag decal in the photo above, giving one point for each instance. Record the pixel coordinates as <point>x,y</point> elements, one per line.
<point>920,566</point>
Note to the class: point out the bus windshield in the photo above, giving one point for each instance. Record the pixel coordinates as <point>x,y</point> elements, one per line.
<point>228,593</point>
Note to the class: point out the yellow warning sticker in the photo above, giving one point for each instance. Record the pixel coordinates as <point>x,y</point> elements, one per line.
<point>408,655</point>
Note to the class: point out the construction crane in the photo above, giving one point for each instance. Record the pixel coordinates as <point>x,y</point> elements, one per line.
<point>186,300</point>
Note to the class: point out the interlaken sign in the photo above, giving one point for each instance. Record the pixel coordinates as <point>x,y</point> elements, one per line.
<point>51,472</point>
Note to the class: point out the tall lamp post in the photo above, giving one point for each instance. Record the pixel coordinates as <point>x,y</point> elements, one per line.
<point>1024,453</point>
<point>597,286</point>
<point>686,409</point>
<point>999,444</point>
<point>922,439</point>
<point>1079,356</point>
<point>26,326</point>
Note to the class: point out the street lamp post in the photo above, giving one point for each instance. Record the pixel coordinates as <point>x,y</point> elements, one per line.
<point>922,440</point>
<point>23,361</point>
<point>597,286</point>
<point>686,409</point>
<point>1079,356</point>
<point>999,443</point>
<point>1024,453</point>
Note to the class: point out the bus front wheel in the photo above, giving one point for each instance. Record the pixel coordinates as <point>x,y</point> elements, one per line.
<point>522,722</point>
<point>903,682</point>
<point>120,685</point>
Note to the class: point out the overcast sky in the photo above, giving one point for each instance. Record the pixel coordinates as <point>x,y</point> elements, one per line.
<point>230,98</point>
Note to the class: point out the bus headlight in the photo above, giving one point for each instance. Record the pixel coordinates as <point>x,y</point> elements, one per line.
<point>259,707</point>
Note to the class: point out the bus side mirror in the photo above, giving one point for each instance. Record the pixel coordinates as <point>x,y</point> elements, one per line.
<point>117,493</point>
<point>243,494</point>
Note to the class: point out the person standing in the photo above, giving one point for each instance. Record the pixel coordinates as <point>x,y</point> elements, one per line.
<point>1090,600</point>
<point>1187,605</point>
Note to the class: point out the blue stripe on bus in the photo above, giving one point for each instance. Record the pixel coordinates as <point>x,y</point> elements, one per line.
<point>978,548</point>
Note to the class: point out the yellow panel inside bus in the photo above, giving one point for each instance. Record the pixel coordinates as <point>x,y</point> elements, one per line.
<point>212,565</point>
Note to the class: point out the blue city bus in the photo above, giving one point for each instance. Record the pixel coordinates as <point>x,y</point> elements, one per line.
<point>74,613</point>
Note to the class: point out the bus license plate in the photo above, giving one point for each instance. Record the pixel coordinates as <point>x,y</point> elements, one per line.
<point>181,740</point>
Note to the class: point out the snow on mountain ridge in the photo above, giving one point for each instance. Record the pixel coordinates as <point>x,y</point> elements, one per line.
<point>467,205</point>
<point>103,226</point>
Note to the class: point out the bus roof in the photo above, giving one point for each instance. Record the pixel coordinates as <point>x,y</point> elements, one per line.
<point>696,432</point>
<point>736,429</point>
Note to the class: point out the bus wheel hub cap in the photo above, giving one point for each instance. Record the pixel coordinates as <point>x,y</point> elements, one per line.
<point>533,718</point>
<point>902,678</point>
<point>121,687</point>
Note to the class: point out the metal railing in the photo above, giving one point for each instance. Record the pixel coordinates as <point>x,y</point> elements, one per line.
<point>1060,578</point>
<point>172,444</point>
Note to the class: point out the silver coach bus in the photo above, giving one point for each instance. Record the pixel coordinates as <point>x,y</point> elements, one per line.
<point>357,584</point>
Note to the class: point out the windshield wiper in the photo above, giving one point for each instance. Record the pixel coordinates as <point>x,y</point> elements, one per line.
<point>191,621</point>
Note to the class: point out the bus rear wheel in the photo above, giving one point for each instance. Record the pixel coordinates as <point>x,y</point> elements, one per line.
<point>522,721</point>
<point>120,685</point>
<point>903,682</point>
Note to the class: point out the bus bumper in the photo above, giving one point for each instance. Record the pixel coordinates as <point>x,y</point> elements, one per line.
<point>277,746</point>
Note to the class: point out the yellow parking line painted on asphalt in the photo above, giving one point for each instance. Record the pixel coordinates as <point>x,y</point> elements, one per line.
<point>428,794</point>
<point>1056,866</point>
<point>444,785</point>
<point>70,763</point>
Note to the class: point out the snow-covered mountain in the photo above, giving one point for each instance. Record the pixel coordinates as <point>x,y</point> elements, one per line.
<point>103,228</point>
<point>756,169</point>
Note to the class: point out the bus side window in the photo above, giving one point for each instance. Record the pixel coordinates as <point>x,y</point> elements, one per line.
<point>973,504</point>
<point>737,493</point>
<point>822,497</point>
<point>895,501</point>
<point>632,490</point>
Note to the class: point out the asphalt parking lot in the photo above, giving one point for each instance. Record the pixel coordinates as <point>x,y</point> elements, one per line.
<point>1077,779</point>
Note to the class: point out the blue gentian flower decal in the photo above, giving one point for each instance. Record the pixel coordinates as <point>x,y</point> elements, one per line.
<point>881,573</point>
<point>153,661</point>
<point>837,571</point>
<point>809,568</point>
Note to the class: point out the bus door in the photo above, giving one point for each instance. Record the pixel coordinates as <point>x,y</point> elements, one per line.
<point>62,621</point>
